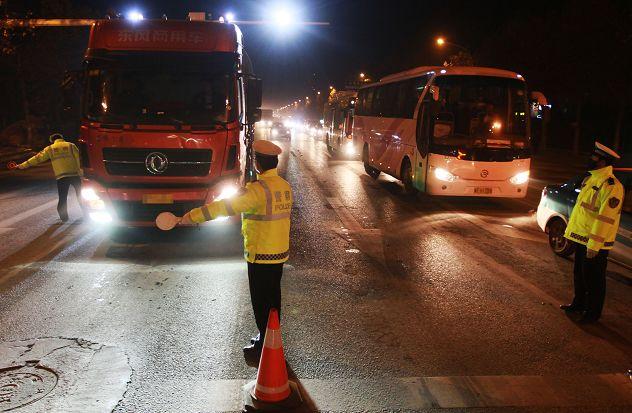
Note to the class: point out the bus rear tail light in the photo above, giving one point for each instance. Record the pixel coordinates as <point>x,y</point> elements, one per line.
<point>444,175</point>
<point>519,179</point>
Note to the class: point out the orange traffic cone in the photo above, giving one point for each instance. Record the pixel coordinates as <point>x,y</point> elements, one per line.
<point>272,383</point>
<point>272,389</point>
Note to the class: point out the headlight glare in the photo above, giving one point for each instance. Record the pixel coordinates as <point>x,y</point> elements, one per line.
<point>227,192</point>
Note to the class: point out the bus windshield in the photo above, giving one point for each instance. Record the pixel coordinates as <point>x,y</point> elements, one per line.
<point>161,88</point>
<point>479,112</point>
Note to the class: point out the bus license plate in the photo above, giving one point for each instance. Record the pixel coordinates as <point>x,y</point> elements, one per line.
<point>158,199</point>
<point>483,190</point>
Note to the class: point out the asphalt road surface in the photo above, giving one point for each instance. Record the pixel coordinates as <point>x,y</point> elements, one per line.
<point>390,303</point>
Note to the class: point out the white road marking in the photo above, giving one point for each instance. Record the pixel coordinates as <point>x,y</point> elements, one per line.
<point>26,214</point>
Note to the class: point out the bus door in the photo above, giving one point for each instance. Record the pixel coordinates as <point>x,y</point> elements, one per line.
<point>425,120</point>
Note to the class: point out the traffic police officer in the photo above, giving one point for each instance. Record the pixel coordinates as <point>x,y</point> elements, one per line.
<point>64,157</point>
<point>265,206</point>
<point>593,227</point>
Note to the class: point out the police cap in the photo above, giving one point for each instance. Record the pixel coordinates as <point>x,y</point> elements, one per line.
<point>52,138</point>
<point>266,148</point>
<point>605,152</point>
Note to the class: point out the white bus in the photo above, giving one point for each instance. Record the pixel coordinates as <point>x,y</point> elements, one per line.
<point>460,131</point>
<point>338,123</point>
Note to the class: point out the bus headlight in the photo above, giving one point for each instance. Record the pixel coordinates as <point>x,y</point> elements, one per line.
<point>444,175</point>
<point>92,200</point>
<point>520,178</point>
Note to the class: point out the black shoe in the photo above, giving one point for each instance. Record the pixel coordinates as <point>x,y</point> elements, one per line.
<point>588,318</point>
<point>255,339</point>
<point>252,353</point>
<point>571,308</point>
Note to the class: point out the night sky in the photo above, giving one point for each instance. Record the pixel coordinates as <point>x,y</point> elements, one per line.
<point>376,37</point>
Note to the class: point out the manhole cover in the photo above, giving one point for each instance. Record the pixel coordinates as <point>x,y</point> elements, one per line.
<point>24,385</point>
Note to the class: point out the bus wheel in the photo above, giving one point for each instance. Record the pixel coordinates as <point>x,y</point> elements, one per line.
<point>371,171</point>
<point>407,178</point>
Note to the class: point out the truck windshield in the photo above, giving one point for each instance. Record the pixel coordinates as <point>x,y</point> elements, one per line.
<point>161,88</point>
<point>480,112</point>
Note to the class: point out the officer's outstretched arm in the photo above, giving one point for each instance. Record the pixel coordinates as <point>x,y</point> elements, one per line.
<point>43,156</point>
<point>604,225</point>
<point>245,202</point>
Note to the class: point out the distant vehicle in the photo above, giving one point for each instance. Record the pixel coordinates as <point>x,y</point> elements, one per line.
<point>338,124</point>
<point>161,117</point>
<point>279,131</point>
<point>556,205</point>
<point>448,130</point>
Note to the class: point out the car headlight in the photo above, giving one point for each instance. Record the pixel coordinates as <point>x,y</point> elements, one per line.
<point>520,178</point>
<point>275,132</point>
<point>444,175</point>
<point>92,199</point>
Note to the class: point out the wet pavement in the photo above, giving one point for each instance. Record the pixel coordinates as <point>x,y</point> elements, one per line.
<point>390,302</point>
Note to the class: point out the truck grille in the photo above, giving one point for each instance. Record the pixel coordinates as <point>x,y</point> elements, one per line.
<point>137,211</point>
<point>163,162</point>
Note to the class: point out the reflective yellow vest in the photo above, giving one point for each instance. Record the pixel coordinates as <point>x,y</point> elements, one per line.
<point>594,221</point>
<point>64,157</point>
<point>265,206</point>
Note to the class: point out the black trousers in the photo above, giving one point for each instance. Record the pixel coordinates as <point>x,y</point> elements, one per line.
<point>265,292</point>
<point>590,280</point>
<point>63,185</point>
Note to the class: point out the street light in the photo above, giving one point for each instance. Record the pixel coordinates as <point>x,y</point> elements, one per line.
<point>361,75</point>
<point>441,41</point>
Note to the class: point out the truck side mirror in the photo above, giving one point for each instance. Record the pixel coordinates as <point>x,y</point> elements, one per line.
<point>254,115</point>
<point>254,94</point>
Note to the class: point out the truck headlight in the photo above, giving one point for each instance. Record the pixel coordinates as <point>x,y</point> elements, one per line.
<point>444,175</point>
<point>227,192</point>
<point>92,199</point>
<point>520,178</point>
<point>100,217</point>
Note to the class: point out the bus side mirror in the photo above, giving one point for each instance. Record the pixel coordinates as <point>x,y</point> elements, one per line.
<point>434,92</point>
<point>537,104</point>
<point>539,98</point>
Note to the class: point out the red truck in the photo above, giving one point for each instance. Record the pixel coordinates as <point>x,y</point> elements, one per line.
<point>164,117</point>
